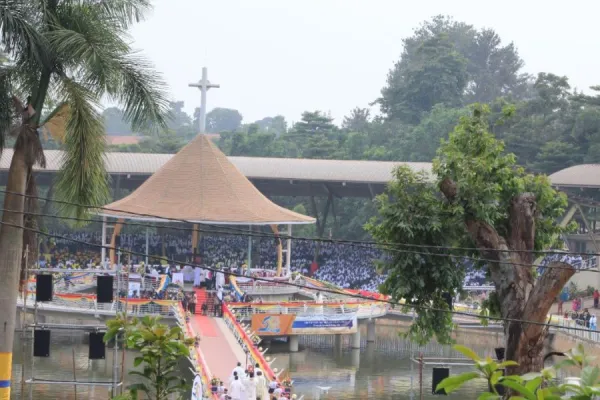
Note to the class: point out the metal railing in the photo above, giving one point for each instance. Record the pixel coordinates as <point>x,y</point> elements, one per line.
<point>363,310</point>
<point>582,332</point>
<point>86,304</point>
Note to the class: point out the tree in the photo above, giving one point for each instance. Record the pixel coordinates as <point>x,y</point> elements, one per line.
<point>276,125</point>
<point>357,121</point>
<point>161,348</point>
<point>313,135</point>
<point>114,122</point>
<point>436,73</point>
<point>223,120</point>
<point>479,199</point>
<point>78,51</point>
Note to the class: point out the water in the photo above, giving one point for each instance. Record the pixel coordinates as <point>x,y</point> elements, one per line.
<point>59,366</point>
<point>383,370</point>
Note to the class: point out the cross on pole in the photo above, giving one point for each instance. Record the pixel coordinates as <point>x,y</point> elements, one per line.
<point>204,84</point>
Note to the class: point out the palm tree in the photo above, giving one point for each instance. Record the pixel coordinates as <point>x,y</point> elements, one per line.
<point>75,51</point>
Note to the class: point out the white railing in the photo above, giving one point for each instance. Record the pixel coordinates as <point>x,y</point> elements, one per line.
<point>362,310</point>
<point>87,305</point>
<point>581,331</point>
<point>257,290</point>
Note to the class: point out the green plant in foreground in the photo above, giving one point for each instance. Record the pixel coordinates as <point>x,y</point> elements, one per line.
<point>160,348</point>
<point>531,386</point>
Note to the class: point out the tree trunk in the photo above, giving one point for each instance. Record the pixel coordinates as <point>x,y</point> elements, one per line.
<point>11,247</point>
<point>522,298</point>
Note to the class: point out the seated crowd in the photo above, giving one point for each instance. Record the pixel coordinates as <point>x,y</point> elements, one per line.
<point>346,265</point>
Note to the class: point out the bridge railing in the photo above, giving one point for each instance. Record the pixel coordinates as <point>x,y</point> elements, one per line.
<point>249,345</point>
<point>196,355</point>
<point>363,310</point>
<point>582,332</point>
<point>86,303</point>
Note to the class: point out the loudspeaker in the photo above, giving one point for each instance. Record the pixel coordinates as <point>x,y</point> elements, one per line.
<point>43,288</point>
<point>500,352</point>
<point>104,290</point>
<point>97,348</point>
<point>439,374</point>
<point>118,241</point>
<point>41,343</point>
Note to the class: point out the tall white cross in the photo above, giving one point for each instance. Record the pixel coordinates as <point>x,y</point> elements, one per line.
<point>203,85</point>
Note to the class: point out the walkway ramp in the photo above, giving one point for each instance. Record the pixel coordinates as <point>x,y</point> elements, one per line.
<point>220,349</point>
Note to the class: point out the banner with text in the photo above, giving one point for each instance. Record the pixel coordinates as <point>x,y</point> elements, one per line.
<point>272,324</point>
<point>324,324</point>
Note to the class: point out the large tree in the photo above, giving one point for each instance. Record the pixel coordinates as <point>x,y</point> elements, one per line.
<point>477,198</point>
<point>77,51</point>
<point>223,120</point>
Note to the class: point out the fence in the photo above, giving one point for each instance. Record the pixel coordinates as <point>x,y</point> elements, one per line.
<point>582,332</point>
<point>86,304</point>
<point>363,310</point>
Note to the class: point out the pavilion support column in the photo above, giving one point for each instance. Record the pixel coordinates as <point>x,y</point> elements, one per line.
<point>321,222</point>
<point>147,245</point>
<point>249,263</point>
<point>113,241</point>
<point>103,242</point>
<point>288,252</point>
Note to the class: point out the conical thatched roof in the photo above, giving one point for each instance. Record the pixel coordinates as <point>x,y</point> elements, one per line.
<point>199,184</point>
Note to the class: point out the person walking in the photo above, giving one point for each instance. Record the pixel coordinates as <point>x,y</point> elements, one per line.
<point>193,301</point>
<point>596,298</point>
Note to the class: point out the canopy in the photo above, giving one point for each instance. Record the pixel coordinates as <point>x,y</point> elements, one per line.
<point>200,185</point>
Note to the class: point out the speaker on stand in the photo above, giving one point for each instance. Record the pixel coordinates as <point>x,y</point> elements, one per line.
<point>104,289</point>
<point>97,347</point>
<point>44,287</point>
<point>41,343</point>
<point>439,374</point>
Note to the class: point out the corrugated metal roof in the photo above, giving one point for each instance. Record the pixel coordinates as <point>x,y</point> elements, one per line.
<point>584,175</point>
<point>251,167</point>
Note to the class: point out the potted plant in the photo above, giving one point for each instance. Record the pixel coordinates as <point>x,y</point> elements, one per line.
<point>214,384</point>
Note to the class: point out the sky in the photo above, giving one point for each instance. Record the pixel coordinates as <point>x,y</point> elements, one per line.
<point>287,56</point>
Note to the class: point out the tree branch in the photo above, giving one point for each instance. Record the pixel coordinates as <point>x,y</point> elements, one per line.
<point>541,298</point>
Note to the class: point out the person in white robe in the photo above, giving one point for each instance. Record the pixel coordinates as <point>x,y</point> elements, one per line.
<point>250,386</point>
<point>197,276</point>
<point>262,391</point>
<point>236,389</point>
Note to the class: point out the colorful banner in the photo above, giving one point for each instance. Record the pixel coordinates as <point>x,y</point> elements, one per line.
<point>324,324</point>
<point>272,324</point>
<point>164,282</point>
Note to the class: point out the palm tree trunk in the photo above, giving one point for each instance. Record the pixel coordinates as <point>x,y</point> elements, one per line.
<point>11,247</point>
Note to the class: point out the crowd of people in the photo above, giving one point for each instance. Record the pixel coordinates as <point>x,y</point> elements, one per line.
<point>346,265</point>
<point>251,383</point>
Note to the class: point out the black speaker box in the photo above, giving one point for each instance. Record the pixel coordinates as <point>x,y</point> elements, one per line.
<point>500,352</point>
<point>97,349</point>
<point>43,288</point>
<point>41,343</point>
<point>439,374</point>
<point>104,290</point>
<point>118,241</point>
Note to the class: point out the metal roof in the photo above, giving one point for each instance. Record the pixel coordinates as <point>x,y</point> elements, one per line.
<point>377,172</point>
<point>584,175</point>
<point>262,168</point>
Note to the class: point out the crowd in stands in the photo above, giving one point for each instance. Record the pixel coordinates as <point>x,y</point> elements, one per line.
<point>346,265</point>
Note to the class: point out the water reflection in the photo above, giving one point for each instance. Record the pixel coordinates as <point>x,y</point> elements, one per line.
<point>59,366</point>
<point>381,370</point>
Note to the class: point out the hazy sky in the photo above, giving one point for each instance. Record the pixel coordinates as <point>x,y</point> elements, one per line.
<point>286,56</point>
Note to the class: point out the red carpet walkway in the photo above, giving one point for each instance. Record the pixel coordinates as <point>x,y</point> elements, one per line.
<point>217,352</point>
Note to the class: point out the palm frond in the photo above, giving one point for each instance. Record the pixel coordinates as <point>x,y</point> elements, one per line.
<point>86,43</point>
<point>142,93</point>
<point>7,115</point>
<point>123,12</point>
<point>19,34</point>
<point>82,179</point>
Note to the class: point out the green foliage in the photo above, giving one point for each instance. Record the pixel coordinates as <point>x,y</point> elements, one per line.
<point>414,211</point>
<point>531,386</point>
<point>160,348</point>
<point>78,52</point>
